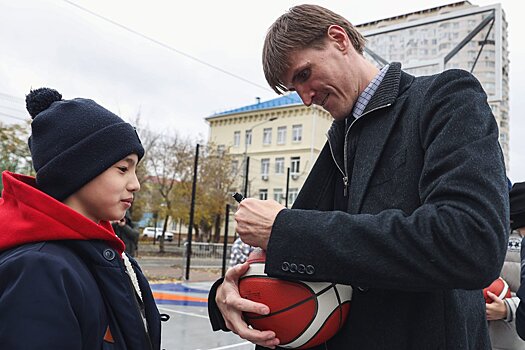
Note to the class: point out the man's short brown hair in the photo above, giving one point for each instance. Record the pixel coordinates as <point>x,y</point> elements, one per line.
<point>301,27</point>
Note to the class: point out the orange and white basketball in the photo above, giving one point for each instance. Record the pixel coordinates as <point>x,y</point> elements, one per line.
<point>498,287</point>
<point>302,314</point>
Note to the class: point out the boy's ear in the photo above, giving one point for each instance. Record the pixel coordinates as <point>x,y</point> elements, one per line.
<point>337,35</point>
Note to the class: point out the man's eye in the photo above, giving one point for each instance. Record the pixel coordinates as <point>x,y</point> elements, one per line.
<point>303,75</point>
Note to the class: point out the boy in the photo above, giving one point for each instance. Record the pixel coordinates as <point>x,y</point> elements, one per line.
<point>65,282</point>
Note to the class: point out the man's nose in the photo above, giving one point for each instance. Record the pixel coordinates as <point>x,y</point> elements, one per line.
<point>307,95</point>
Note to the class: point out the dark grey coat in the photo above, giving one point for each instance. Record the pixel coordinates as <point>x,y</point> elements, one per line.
<point>427,218</point>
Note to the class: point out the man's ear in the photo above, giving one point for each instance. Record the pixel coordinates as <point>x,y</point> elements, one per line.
<point>337,35</point>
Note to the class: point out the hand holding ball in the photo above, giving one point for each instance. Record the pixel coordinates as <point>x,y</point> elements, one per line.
<point>498,287</point>
<point>302,314</point>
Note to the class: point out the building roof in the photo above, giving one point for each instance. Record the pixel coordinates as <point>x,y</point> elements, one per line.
<point>426,11</point>
<point>281,101</point>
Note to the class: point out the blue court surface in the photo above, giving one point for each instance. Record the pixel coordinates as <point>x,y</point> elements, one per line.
<point>189,327</point>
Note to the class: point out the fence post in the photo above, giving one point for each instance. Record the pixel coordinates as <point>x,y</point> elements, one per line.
<point>225,246</point>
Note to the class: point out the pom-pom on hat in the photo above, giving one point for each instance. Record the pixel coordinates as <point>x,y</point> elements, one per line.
<point>517,205</point>
<point>73,141</point>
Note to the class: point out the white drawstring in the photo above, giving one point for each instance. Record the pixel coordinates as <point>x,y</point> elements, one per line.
<point>132,275</point>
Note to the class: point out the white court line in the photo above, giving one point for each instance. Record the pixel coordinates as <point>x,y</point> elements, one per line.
<point>183,313</point>
<point>230,346</point>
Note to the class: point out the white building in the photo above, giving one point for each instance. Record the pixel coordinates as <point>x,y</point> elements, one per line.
<point>458,35</point>
<point>273,135</point>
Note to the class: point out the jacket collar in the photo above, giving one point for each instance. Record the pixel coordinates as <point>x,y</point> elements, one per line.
<point>388,90</point>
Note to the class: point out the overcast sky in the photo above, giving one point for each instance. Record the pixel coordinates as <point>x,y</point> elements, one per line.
<point>54,43</point>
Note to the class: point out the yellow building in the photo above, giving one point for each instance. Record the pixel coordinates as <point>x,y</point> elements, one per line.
<point>271,137</point>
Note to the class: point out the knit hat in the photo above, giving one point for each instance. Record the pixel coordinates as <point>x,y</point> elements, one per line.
<point>73,141</point>
<point>517,205</point>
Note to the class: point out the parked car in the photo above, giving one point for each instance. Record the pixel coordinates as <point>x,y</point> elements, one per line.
<point>148,232</point>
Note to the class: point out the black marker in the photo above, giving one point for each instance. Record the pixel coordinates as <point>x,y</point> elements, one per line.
<point>238,197</point>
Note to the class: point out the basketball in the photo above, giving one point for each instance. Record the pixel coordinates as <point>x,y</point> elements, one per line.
<point>302,314</point>
<point>498,287</point>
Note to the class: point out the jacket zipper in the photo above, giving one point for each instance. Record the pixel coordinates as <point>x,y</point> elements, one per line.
<point>137,307</point>
<point>345,158</point>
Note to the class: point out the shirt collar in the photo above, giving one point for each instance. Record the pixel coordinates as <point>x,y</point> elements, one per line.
<point>366,95</point>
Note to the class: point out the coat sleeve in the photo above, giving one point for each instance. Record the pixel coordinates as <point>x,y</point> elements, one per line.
<point>454,239</point>
<point>216,319</point>
<point>41,300</point>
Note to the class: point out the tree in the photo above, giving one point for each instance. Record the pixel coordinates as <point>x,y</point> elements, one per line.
<point>147,199</point>
<point>213,190</point>
<point>14,151</point>
<point>169,162</point>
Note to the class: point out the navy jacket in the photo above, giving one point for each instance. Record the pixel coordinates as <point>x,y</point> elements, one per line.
<point>71,290</point>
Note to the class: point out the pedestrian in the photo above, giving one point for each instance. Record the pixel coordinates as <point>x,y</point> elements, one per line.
<point>65,281</point>
<point>407,202</point>
<point>124,230</point>
<point>239,252</point>
<point>517,220</point>
<point>501,313</point>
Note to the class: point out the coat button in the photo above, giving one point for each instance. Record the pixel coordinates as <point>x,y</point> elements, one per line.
<point>109,254</point>
<point>285,266</point>
<point>310,269</point>
<point>301,268</point>
<point>293,268</point>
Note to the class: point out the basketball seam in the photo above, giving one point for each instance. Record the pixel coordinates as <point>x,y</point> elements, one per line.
<point>317,331</point>
<point>339,307</point>
<point>314,295</point>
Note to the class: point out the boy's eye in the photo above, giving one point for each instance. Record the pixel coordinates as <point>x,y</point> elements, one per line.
<point>122,168</point>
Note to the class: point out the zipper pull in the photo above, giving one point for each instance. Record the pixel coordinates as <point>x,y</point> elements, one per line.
<point>345,186</point>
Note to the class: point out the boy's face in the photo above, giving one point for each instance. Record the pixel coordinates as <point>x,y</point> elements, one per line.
<point>110,194</point>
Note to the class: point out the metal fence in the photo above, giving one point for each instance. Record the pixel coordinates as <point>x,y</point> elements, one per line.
<point>206,255</point>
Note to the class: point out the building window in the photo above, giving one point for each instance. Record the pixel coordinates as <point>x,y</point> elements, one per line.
<point>265,168</point>
<point>295,163</point>
<point>221,149</point>
<point>281,135</point>
<point>292,195</point>
<point>236,138</point>
<point>248,138</point>
<point>267,136</point>
<point>297,133</point>
<point>279,165</point>
<point>263,194</point>
<point>278,195</point>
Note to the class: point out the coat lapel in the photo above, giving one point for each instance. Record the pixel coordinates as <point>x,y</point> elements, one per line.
<point>378,121</point>
<point>372,140</point>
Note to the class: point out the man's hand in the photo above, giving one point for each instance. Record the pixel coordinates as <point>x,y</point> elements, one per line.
<point>232,305</point>
<point>255,219</point>
<point>497,310</point>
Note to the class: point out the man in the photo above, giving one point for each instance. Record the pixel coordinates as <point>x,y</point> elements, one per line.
<point>407,202</point>
<point>501,312</point>
<point>517,220</point>
<point>124,230</point>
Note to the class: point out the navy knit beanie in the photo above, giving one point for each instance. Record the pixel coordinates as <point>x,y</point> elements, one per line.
<point>517,205</point>
<point>73,141</point>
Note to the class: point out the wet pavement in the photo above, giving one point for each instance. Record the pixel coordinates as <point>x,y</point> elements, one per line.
<point>189,327</point>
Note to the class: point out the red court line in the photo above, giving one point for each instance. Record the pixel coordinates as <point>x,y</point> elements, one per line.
<point>169,296</point>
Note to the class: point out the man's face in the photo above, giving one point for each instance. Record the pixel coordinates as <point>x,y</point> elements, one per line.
<point>330,77</point>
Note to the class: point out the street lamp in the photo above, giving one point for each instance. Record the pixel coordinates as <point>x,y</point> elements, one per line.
<point>246,163</point>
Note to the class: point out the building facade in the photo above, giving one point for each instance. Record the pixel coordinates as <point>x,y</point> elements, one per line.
<point>458,35</point>
<point>271,137</point>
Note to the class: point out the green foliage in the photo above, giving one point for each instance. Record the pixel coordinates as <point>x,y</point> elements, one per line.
<point>14,152</point>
